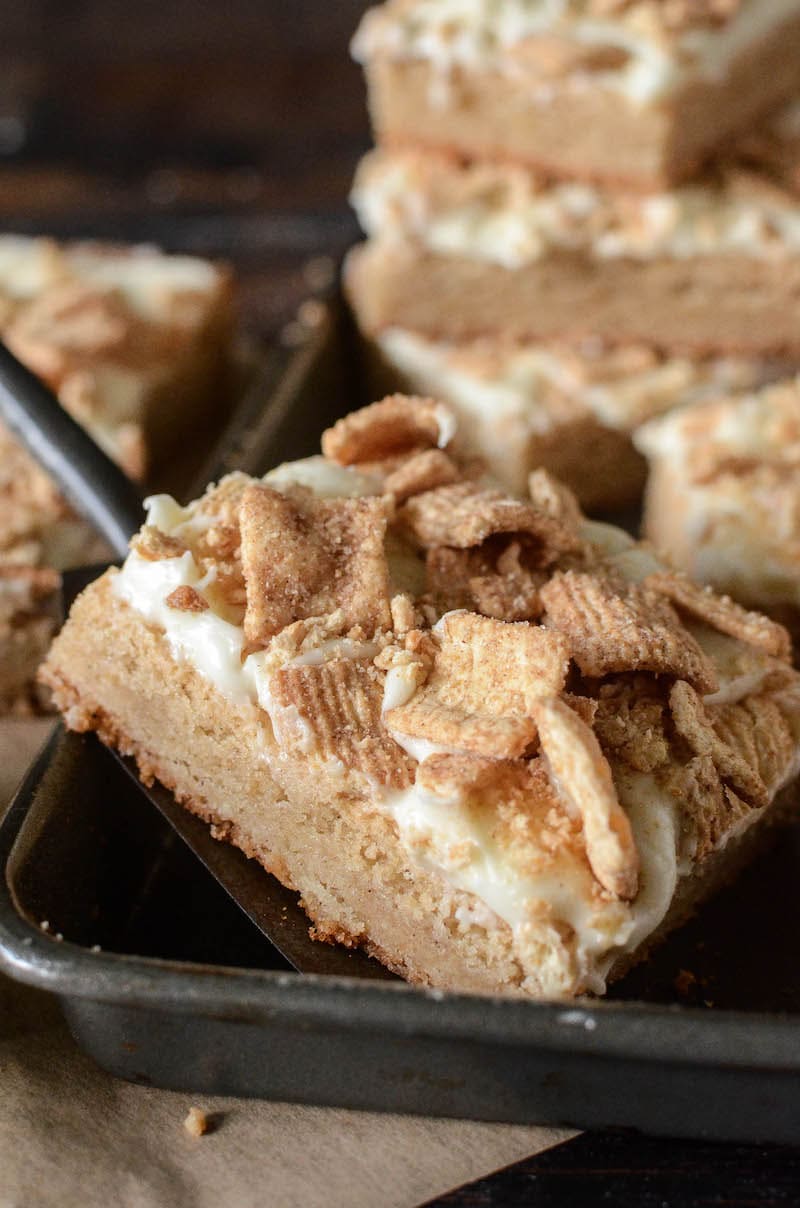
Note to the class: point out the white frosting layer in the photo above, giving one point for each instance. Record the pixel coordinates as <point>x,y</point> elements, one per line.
<point>504,218</point>
<point>518,383</point>
<point>485,35</point>
<point>453,837</point>
<point>149,280</point>
<point>735,531</point>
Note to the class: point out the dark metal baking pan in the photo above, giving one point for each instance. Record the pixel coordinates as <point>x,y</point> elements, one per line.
<point>164,980</point>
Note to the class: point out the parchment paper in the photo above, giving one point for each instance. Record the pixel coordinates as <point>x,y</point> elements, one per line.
<point>71,1135</point>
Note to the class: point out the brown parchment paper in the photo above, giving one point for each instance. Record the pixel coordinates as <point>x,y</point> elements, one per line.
<point>71,1135</point>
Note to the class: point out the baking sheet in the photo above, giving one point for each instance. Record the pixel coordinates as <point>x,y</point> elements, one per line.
<point>702,1040</point>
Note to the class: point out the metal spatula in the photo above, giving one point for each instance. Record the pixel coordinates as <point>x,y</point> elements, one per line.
<point>98,489</point>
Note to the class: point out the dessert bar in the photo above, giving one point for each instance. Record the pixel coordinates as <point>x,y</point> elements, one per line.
<point>568,409</point>
<point>501,748</point>
<point>723,495</point>
<point>465,250</point>
<point>631,92</point>
<point>136,345</point>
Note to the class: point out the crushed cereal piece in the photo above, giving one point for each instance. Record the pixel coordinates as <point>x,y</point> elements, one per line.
<point>693,723</point>
<point>464,515</point>
<point>580,773</point>
<point>614,628</point>
<point>551,496</point>
<point>480,694</point>
<point>709,809</point>
<point>422,472</point>
<point>303,557</point>
<point>155,546</point>
<point>186,599</point>
<point>396,425</point>
<point>197,1122</point>
<point>758,730</point>
<point>630,723</point>
<point>724,614</point>
<point>333,710</point>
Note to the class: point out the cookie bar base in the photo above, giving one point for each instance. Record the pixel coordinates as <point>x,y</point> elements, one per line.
<point>113,673</point>
<point>702,305</point>
<point>592,133</point>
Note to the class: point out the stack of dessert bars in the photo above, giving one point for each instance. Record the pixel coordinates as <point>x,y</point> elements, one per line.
<point>135,344</point>
<point>580,214</point>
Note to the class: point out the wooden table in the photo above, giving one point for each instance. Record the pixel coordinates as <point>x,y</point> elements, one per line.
<point>232,130</point>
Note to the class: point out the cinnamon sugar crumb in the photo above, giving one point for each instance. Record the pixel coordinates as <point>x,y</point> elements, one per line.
<point>197,1122</point>
<point>152,544</point>
<point>186,599</point>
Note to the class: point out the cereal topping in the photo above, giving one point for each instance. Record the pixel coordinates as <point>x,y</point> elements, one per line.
<point>442,636</point>
<point>421,472</point>
<point>694,724</point>
<point>758,730</point>
<point>397,425</point>
<point>463,516</point>
<point>187,599</point>
<point>630,723</point>
<point>614,628</point>
<point>677,15</point>
<point>581,775</point>
<point>480,694</point>
<point>722,613</point>
<point>153,545</point>
<point>710,809</point>
<point>303,557</point>
<point>333,709</point>
<point>552,497</point>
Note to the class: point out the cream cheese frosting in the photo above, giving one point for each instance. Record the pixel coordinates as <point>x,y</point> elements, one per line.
<point>496,35</point>
<point>505,215</point>
<point>536,384</point>
<point>730,467</point>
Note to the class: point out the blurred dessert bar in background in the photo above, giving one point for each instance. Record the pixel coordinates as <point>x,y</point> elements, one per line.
<point>558,309</point>
<point>136,344</point>
<point>627,91</point>
<point>723,496</point>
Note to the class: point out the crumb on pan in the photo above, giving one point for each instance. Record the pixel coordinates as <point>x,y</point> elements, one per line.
<point>197,1122</point>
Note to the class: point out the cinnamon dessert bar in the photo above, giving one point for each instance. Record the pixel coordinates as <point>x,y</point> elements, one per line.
<point>459,251</point>
<point>135,343</point>
<point>501,748</point>
<point>723,495</point>
<point>568,409</point>
<point>632,92</point>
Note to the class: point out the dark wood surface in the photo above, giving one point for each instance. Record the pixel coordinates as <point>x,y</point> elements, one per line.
<point>623,1171</point>
<point>231,129</point>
